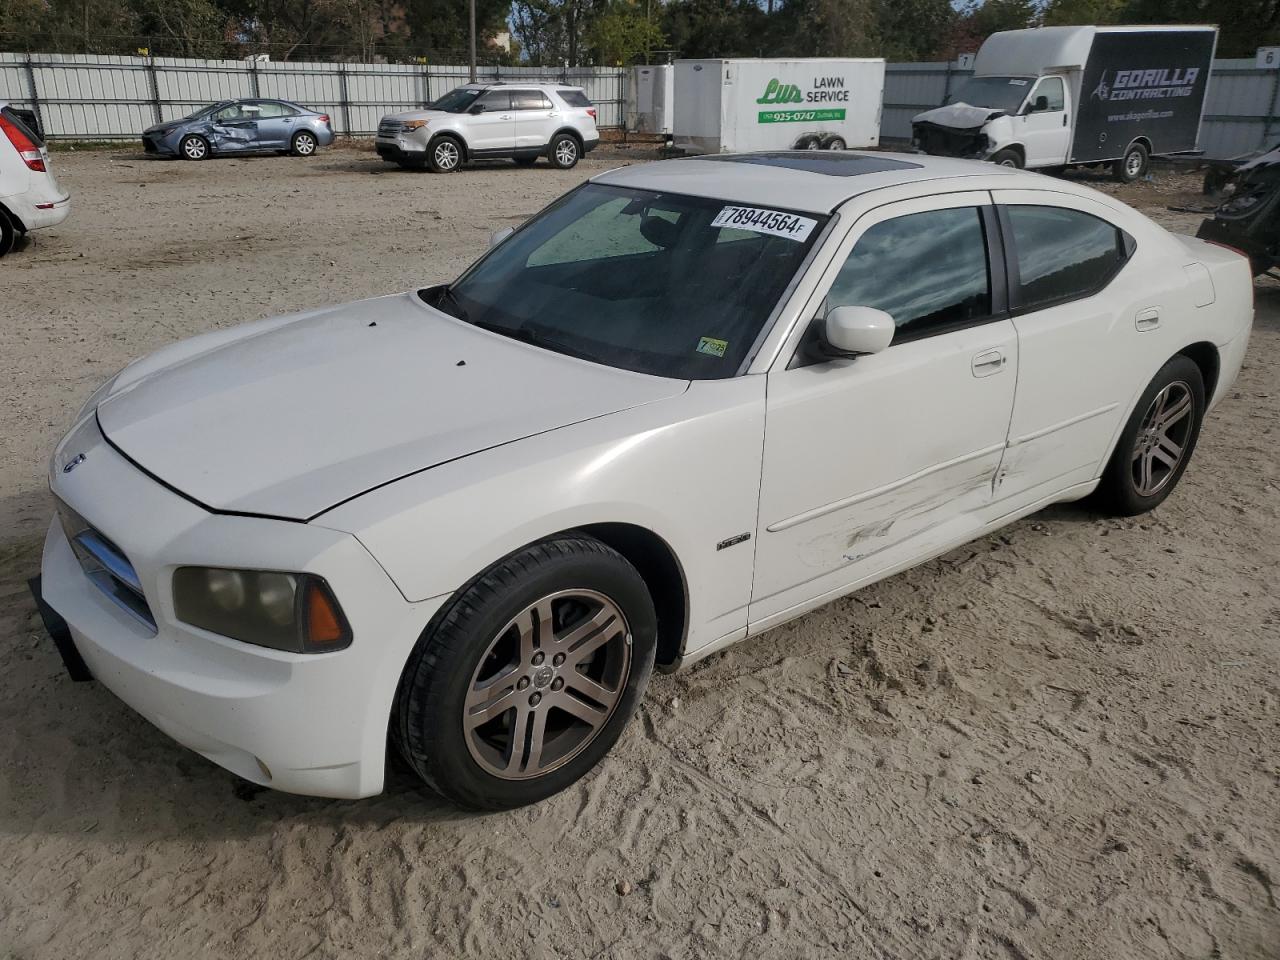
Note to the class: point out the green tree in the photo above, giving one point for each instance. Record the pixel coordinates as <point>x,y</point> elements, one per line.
<point>623,33</point>
<point>1243,25</point>
<point>992,16</point>
<point>1059,13</point>
<point>914,30</point>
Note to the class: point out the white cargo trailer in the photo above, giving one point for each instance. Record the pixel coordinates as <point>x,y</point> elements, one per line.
<point>651,100</point>
<point>732,106</point>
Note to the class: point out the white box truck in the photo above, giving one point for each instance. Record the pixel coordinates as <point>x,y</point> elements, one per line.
<point>651,100</point>
<point>1060,96</point>
<point>733,106</point>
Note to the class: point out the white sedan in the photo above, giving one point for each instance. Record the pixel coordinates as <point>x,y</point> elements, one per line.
<point>687,402</point>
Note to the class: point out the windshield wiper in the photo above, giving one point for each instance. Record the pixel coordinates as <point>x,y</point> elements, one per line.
<point>446,293</point>
<point>537,338</point>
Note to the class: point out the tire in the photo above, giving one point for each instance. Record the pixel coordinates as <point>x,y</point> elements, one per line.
<point>473,646</point>
<point>444,155</point>
<point>835,143</point>
<point>1007,158</point>
<point>1145,449</point>
<point>564,151</point>
<point>8,233</point>
<point>1133,165</point>
<point>303,144</point>
<point>526,161</point>
<point>808,143</point>
<point>193,147</point>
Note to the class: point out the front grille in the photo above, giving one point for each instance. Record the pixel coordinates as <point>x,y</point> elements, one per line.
<point>948,141</point>
<point>106,566</point>
<point>389,128</point>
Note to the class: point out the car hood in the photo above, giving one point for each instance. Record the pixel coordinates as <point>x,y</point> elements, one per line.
<point>296,416</point>
<point>420,115</point>
<point>164,127</point>
<point>961,116</point>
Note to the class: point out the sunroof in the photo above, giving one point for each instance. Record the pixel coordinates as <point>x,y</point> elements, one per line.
<point>829,163</point>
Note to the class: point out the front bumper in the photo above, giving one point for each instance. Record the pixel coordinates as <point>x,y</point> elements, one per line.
<point>312,724</point>
<point>400,148</point>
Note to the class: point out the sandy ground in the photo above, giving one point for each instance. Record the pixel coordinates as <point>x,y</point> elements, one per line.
<point>1059,742</point>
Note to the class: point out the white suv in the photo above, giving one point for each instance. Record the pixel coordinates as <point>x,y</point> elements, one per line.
<point>483,121</point>
<point>30,197</point>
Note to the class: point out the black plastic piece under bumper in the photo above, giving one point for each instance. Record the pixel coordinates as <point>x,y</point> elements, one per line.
<point>57,628</point>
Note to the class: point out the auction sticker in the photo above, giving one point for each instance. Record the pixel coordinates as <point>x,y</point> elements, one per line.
<point>773,222</point>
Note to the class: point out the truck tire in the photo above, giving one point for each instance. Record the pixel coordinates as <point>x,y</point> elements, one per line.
<point>1007,158</point>
<point>1133,165</point>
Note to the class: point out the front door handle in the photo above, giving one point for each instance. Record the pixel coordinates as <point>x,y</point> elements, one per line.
<point>1148,319</point>
<point>988,362</point>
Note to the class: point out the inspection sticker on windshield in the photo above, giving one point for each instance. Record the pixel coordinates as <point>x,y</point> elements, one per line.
<point>773,222</point>
<point>712,347</point>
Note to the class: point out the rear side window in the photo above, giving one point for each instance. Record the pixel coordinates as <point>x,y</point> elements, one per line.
<point>530,100</point>
<point>268,109</point>
<point>574,98</point>
<point>1063,254</point>
<point>927,270</point>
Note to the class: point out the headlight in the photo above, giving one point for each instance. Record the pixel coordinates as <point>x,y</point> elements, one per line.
<point>285,611</point>
<point>414,125</point>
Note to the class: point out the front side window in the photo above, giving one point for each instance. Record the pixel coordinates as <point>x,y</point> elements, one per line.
<point>927,270</point>
<point>658,283</point>
<point>233,111</point>
<point>1048,97</point>
<point>1063,254</point>
<point>495,101</point>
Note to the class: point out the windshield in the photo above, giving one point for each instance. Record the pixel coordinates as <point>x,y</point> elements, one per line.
<point>205,111</point>
<point>457,101</point>
<point>999,93</point>
<point>658,283</point>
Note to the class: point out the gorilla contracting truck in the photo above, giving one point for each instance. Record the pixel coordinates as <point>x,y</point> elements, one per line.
<point>1055,97</point>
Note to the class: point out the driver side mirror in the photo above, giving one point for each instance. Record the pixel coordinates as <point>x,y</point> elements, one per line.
<point>849,331</point>
<point>498,236</point>
<point>1039,105</point>
<point>476,110</point>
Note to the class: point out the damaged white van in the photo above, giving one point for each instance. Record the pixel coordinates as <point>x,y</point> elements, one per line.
<point>1060,96</point>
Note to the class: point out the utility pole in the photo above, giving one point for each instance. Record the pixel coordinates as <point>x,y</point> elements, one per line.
<point>473,40</point>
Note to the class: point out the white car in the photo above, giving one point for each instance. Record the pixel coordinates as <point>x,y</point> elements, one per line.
<point>489,121</point>
<point>30,197</point>
<point>687,402</point>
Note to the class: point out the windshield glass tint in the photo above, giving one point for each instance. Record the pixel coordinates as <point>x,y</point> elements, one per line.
<point>638,280</point>
<point>456,101</point>
<point>999,93</point>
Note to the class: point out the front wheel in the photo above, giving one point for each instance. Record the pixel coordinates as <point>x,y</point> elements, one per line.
<point>1133,165</point>
<point>523,682</point>
<point>1157,442</point>
<point>303,144</point>
<point>193,147</point>
<point>564,152</point>
<point>444,156</point>
<point>1007,158</point>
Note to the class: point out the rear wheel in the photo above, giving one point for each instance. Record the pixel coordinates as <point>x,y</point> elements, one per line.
<point>1007,158</point>
<point>8,233</point>
<point>564,151</point>
<point>1133,165</point>
<point>303,144</point>
<point>193,147</point>
<point>523,682</point>
<point>1157,442</point>
<point>836,143</point>
<point>444,156</point>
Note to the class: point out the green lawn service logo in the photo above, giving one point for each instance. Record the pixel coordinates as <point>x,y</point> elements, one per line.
<point>825,90</point>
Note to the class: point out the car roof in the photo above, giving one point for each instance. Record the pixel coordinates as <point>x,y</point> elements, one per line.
<point>529,84</point>
<point>808,180</point>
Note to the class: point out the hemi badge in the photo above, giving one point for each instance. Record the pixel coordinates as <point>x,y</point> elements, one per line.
<point>740,538</point>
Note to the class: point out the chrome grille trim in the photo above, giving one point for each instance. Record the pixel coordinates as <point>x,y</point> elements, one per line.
<point>107,567</point>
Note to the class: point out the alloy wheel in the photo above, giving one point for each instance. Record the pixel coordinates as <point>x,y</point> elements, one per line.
<point>1162,439</point>
<point>547,684</point>
<point>305,144</point>
<point>446,155</point>
<point>195,148</point>
<point>566,152</point>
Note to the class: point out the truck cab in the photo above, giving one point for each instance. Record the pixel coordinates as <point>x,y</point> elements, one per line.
<point>1016,121</point>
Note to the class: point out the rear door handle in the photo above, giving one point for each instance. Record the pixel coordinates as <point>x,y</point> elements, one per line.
<point>988,362</point>
<point>1148,319</point>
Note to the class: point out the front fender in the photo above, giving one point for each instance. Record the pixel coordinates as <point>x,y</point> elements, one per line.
<point>686,469</point>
